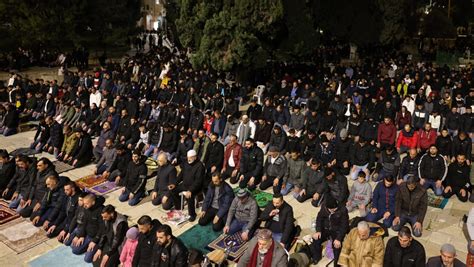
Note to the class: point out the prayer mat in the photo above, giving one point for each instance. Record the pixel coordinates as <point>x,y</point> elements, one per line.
<point>262,198</point>
<point>23,151</point>
<point>6,214</point>
<point>61,166</point>
<point>436,201</point>
<point>90,181</point>
<point>59,257</point>
<point>103,188</point>
<point>198,237</point>
<point>234,243</point>
<point>20,235</point>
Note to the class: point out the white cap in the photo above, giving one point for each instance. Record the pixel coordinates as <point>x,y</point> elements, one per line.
<point>191,153</point>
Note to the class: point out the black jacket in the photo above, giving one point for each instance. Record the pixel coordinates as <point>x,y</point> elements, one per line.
<point>396,256</point>
<point>286,220</point>
<point>432,168</point>
<point>11,119</point>
<point>178,254</point>
<point>362,155</point>
<point>56,135</point>
<point>165,175</point>
<point>83,149</point>
<point>38,183</point>
<point>334,225</point>
<point>53,199</point>
<point>409,166</point>
<point>7,171</point>
<point>445,145</point>
<point>92,219</point>
<point>337,187</point>
<point>214,155</point>
<point>136,177</point>
<point>144,250</point>
<point>112,234</point>
<point>169,141</point>
<point>462,147</point>
<point>413,203</point>
<point>192,176</point>
<point>251,162</point>
<point>458,177</point>
<point>121,162</point>
<point>67,211</point>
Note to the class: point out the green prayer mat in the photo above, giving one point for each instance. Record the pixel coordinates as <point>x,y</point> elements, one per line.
<point>198,237</point>
<point>436,201</point>
<point>262,198</point>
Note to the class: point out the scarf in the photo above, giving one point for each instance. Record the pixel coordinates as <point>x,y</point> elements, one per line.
<point>267,261</point>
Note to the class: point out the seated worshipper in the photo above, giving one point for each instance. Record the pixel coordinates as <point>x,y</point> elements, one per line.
<point>50,204</point>
<point>403,250</point>
<point>67,209</point>
<point>19,185</point>
<point>85,233</point>
<point>326,152</point>
<point>191,177</point>
<point>56,137</point>
<point>383,202</point>
<point>67,235</point>
<point>278,138</point>
<point>361,249</point>
<point>146,240</point>
<point>165,183</point>
<point>386,133</point>
<point>251,165</point>
<point>109,153</point>
<point>360,196</point>
<point>108,241</point>
<point>278,217</point>
<point>70,142</point>
<point>201,145</point>
<point>106,133</point>
<point>343,148</point>
<point>335,185</point>
<point>332,224</point>
<point>388,164</point>
<point>129,247</point>
<point>294,174</point>
<point>82,153</point>
<point>274,170</point>
<point>263,250</point>
<point>312,185</point>
<point>216,203</point>
<point>118,169</point>
<point>7,171</point>
<point>432,170</point>
<point>362,158</point>
<point>411,203</point>
<point>41,136</point>
<point>407,139</point>
<point>242,216</point>
<point>185,144</point>
<point>458,181</point>
<point>38,189</point>
<point>135,180</point>
<point>447,258</point>
<point>409,166</point>
<point>427,137</point>
<point>232,155</point>
<point>168,250</point>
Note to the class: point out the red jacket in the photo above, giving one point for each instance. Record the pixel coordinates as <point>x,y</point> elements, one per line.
<point>386,133</point>
<point>427,138</point>
<point>404,139</point>
<point>401,120</point>
<point>237,155</point>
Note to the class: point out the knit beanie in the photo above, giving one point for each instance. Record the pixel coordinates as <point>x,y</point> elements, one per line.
<point>132,233</point>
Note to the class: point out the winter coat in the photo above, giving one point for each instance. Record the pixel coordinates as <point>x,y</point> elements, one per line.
<point>226,195</point>
<point>357,252</point>
<point>192,176</point>
<point>145,247</point>
<point>408,139</point>
<point>334,225</point>
<point>432,168</point>
<point>386,133</point>
<point>279,259</point>
<point>384,197</point>
<point>411,256</point>
<point>251,162</point>
<point>294,172</point>
<point>136,177</point>
<point>285,220</point>
<point>413,203</point>
<point>444,145</point>
<point>427,138</point>
<point>277,169</point>
<point>178,254</point>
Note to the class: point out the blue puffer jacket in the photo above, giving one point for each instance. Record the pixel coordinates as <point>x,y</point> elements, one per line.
<point>384,198</point>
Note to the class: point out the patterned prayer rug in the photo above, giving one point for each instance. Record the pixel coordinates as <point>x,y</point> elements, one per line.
<point>436,201</point>
<point>6,214</point>
<point>23,151</point>
<point>470,260</point>
<point>20,235</point>
<point>103,188</point>
<point>234,242</point>
<point>62,167</point>
<point>198,237</point>
<point>90,181</point>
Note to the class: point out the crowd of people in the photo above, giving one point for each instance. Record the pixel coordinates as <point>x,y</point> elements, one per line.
<point>405,126</point>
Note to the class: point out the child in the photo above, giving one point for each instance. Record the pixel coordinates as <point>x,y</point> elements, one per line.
<point>128,250</point>
<point>361,193</point>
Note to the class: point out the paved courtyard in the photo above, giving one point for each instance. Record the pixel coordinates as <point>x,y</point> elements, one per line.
<point>440,226</point>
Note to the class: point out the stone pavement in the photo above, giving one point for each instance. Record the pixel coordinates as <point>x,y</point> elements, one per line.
<point>440,226</point>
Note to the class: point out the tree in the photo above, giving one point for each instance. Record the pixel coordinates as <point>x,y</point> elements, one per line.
<point>395,15</point>
<point>63,23</point>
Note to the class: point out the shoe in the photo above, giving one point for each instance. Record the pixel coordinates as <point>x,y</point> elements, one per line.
<point>192,218</point>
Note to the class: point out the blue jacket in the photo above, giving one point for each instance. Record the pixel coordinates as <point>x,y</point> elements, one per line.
<point>222,123</point>
<point>226,195</point>
<point>384,198</point>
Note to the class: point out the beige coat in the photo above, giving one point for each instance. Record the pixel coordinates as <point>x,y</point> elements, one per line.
<point>361,253</point>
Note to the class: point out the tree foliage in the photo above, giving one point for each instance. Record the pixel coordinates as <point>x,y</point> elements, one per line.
<point>58,23</point>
